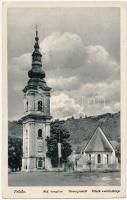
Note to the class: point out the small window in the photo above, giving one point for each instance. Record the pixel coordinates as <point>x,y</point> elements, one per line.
<point>89,157</point>
<point>39,133</point>
<point>39,163</point>
<point>99,158</point>
<point>27,106</point>
<point>39,105</point>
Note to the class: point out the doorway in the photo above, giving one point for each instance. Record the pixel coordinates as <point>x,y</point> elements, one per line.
<point>40,163</point>
<point>98,158</point>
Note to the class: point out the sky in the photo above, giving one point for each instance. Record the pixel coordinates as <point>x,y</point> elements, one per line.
<point>80,55</point>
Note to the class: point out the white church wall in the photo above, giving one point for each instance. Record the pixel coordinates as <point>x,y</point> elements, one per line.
<point>24,164</point>
<point>106,163</point>
<point>31,164</point>
<point>32,144</point>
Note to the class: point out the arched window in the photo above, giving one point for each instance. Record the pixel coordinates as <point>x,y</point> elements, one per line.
<point>39,133</point>
<point>39,105</point>
<point>99,158</point>
<point>27,106</point>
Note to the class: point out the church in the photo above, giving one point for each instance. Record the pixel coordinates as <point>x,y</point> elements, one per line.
<point>36,119</point>
<point>97,154</point>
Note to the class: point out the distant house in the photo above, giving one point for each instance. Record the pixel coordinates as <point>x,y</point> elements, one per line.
<point>98,153</point>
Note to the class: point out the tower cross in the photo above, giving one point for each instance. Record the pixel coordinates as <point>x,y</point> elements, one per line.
<point>36,28</point>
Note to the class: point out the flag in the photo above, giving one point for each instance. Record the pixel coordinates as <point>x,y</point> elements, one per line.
<point>59,150</point>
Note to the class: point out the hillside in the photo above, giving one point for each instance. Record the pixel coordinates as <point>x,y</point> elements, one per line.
<point>81,129</point>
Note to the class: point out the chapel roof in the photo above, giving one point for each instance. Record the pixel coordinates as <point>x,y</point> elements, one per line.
<point>98,143</point>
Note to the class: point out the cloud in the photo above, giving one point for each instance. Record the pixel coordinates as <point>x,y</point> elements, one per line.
<point>66,55</point>
<point>62,51</point>
<point>98,98</point>
<point>22,62</point>
<point>95,26</point>
<point>62,83</point>
<point>73,70</point>
<point>62,106</point>
<point>116,107</point>
<point>100,65</point>
<point>109,91</point>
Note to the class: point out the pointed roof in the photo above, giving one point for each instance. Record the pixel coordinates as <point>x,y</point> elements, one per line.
<point>36,71</point>
<point>99,143</point>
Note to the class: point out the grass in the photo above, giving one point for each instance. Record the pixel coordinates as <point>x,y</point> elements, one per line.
<point>64,179</point>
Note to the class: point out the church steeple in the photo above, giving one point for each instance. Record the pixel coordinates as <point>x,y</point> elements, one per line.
<point>36,71</point>
<point>36,118</point>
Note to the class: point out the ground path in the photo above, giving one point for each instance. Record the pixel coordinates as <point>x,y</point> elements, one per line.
<point>64,179</point>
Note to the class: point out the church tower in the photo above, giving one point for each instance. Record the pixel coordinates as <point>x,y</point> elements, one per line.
<point>36,119</point>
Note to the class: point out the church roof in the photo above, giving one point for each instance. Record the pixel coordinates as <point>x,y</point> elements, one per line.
<point>36,73</point>
<point>99,143</point>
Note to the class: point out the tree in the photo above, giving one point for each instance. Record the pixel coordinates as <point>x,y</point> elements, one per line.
<point>14,154</point>
<point>58,134</point>
<point>118,153</point>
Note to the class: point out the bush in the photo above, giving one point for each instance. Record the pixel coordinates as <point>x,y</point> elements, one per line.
<point>14,154</point>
